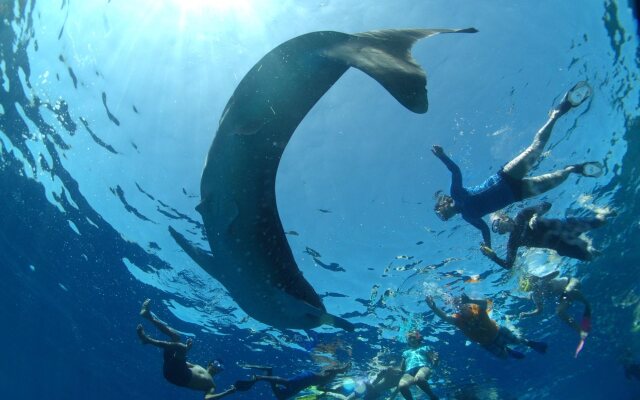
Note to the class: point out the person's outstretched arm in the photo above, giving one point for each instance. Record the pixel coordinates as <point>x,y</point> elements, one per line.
<point>512,252</point>
<point>214,396</point>
<point>456,175</point>
<point>538,301</point>
<point>443,315</point>
<point>484,229</point>
<point>539,209</point>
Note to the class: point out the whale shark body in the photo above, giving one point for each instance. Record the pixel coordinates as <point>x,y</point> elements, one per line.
<point>250,254</point>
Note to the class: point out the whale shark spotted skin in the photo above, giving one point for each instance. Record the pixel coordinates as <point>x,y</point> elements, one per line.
<point>250,255</point>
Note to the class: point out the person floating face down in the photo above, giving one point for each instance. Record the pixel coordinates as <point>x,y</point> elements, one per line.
<point>385,379</point>
<point>417,363</point>
<point>286,388</point>
<point>565,290</point>
<point>530,229</point>
<point>510,184</point>
<point>176,369</point>
<point>473,320</point>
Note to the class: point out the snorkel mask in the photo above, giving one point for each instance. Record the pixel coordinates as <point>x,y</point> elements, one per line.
<point>525,284</point>
<point>217,365</point>
<point>443,205</point>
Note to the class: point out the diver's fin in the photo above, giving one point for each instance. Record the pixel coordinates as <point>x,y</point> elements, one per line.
<point>515,354</point>
<point>385,55</point>
<point>243,386</point>
<point>540,347</point>
<point>201,257</point>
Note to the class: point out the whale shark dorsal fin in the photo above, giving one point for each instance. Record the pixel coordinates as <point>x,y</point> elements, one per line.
<point>201,257</point>
<point>385,55</point>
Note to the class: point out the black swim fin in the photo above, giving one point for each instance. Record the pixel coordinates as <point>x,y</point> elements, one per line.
<point>515,354</point>
<point>243,386</point>
<point>540,347</point>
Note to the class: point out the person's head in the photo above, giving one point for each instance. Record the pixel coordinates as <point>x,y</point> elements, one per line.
<point>501,223</point>
<point>414,338</point>
<point>470,310</point>
<point>215,366</point>
<point>445,207</point>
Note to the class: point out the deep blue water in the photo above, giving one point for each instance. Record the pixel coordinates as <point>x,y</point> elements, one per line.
<point>108,109</point>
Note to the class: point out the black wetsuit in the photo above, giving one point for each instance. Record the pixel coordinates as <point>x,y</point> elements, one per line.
<point>561,235</point>
<point>175,368</point>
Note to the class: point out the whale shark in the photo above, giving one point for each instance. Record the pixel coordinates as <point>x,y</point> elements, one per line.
<point>250,255</point>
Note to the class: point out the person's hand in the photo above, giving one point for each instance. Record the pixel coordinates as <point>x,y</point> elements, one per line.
<point>434,357</point>
<point>487,251</point>
<point>438,151</point>
<point>430,301</point>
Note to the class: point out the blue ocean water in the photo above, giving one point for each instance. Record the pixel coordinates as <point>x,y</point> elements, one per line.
<point>108,109</point>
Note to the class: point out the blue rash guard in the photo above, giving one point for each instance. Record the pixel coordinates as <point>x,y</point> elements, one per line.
<point>414,359</point>
<point>473,203</point>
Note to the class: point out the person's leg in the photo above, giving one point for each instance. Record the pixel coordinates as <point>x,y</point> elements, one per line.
<point>563,314</point>
<point>146,339</point>
<point>421,381</point>
<point>580,225</point>
<point>162,326</point>
<point>508,337</point>
<point>404,386</point>
<point>520,166</point>
<point>535,185</point>
<point>572,293</point>
<point>572,244</point>
<point>267,369</point>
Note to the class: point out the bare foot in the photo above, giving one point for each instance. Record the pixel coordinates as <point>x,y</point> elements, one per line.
<point>143,337</point>
<point>144,311</point>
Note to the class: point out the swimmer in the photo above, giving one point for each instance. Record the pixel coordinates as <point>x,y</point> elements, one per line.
<point>510,184</point>
<point>284,388</point>
<point>561,288</point>
<point>529,229</point>
<point>472,319</point>
<point>417,362</point>
<point>386,379</point>
<point>176,368</point>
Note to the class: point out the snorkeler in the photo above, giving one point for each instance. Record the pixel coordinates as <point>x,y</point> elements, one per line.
<point>176,368</point>
<point>510,184</point>
<point>416,363</point>
<point>386,379</point>
<point>563,289</point>
<point>284,388</point>
<point>472,319</point>
<point>531,230</point>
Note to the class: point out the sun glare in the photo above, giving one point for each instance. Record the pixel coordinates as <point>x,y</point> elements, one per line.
<point>218,6</point>
<point>216,12</point>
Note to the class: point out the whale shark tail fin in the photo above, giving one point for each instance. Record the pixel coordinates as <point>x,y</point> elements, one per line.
<point>385,55</point>
<point>201,257</point>
<point>341,323</point>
